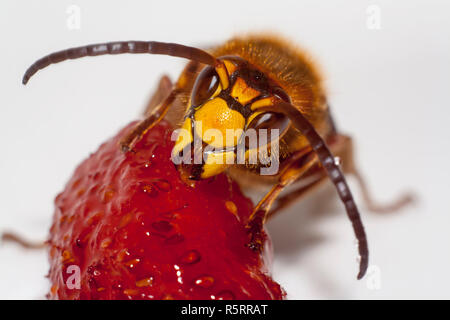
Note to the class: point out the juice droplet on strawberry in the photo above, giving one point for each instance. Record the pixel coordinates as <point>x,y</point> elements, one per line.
<point>204,281</point>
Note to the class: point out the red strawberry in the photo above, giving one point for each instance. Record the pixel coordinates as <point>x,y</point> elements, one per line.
<point>136,231</point>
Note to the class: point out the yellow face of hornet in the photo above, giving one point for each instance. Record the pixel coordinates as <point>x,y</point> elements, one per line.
<point>224,104</point>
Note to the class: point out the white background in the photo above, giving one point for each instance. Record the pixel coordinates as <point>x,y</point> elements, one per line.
<point>388,87</point>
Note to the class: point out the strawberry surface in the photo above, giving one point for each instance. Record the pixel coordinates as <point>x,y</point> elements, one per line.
<point>135,230</point>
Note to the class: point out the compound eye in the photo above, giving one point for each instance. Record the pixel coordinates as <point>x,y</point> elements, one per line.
<point>205,86</point>
<point>270,120</point>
